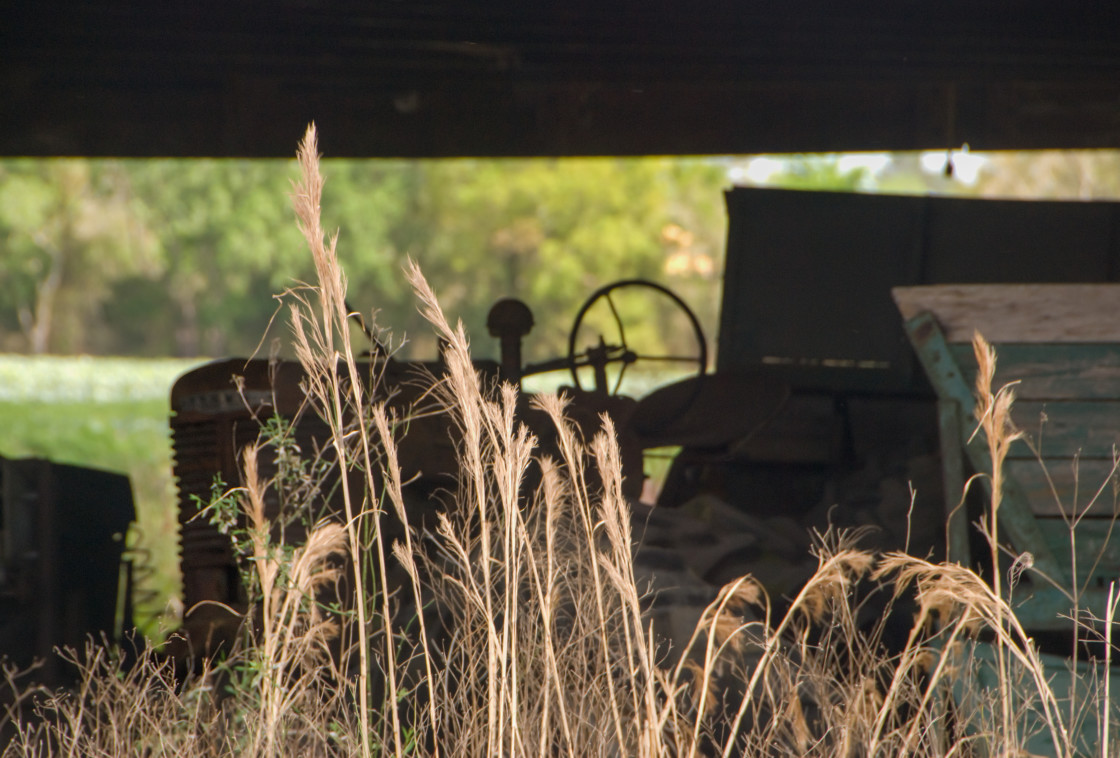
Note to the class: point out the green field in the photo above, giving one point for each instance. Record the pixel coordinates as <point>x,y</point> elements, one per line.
<point>108,413</point>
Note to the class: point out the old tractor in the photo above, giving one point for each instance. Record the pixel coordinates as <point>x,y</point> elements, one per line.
<point>821,410</point>
<point>218,409</point>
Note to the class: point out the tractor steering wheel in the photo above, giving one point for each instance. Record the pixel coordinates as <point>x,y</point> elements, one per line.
<point>600,355</point>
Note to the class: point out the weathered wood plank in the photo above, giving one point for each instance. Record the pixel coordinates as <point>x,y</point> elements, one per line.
<point>1097,542</point>
<point>1050,371</point>
<point>1067,486</point>
<point>1067,428</point>
<point>1042,607</point>
<point>1018,312</point>
<point>953,478</point>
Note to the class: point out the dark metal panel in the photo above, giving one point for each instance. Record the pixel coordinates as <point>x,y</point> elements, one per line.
<point>63,535</point>
<point>1014,241</point>
<point>812,273</point>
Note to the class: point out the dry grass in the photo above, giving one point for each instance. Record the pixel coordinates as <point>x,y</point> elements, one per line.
<point>515,626</point>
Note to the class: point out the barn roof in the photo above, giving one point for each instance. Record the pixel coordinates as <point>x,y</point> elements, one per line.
<point>547,77</point>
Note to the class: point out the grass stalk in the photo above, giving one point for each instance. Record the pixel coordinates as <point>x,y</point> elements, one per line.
<point>320,360</point>
<point>1106,702</point>
<point>993,412</point>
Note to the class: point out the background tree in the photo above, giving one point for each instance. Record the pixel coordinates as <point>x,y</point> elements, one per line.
<point>551,231</point>
<point>1065,174</point>
<point>177,257</point>
<point>70,231</point>
<point>229,243</point>
<point>183,257</point>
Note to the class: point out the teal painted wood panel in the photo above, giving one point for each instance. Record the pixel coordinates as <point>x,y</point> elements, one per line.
<point>1097,546</point>
<point>1050,371</point>
<point>1067,428</point>
<point>1068,486</point>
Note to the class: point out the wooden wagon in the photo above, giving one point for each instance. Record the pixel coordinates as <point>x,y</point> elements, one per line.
<point>1059,345</point>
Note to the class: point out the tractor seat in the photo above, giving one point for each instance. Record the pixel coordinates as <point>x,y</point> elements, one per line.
<point>713,411</point>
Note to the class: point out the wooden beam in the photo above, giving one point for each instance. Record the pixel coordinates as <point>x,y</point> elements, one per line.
<point>1018,312</point>
<point>449,77</point>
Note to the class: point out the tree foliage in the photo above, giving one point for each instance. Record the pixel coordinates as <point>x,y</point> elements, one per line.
<point>183,257</point>
<point>69,230</point>
<point>1056,174</point>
